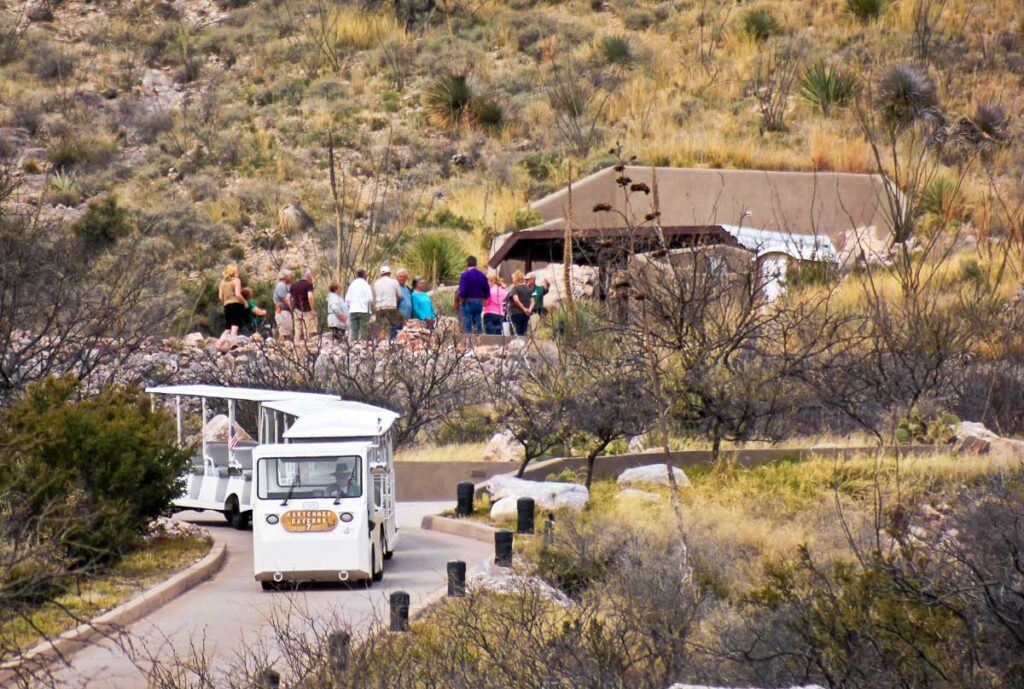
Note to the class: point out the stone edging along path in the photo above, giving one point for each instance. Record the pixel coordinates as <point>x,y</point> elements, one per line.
<point>459,527</point>
<point>111,621</point>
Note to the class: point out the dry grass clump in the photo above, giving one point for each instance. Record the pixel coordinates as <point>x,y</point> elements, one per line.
<point>766,513</point>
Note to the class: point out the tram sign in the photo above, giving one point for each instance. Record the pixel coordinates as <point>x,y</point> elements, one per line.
<point>309,520</point>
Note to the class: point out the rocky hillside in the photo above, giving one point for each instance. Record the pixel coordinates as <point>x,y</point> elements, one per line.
<point>205,118</point>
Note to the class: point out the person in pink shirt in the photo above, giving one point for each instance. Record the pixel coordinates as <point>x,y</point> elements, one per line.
<point>494,306</point>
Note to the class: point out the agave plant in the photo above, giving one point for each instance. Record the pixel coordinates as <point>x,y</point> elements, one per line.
<point>904,93</point>
<point>64,188</point>
<point>437,256</point>
<point>825,87</point>
<point>760,25</point>
<point>865,10</point>
<point>447,98</point>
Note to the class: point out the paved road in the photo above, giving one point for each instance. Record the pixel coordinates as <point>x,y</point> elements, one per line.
<point>231,610</point>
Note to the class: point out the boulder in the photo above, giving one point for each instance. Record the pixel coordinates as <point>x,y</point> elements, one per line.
<point>292,219</point>
<point>548,495</point>
<point>194,340</point>
<point>502,447</point>
<point>583,279</point>
<point>972,438</point>
<point>505,509</point>
<point>217,430</point>
<point>503,580</point>
<point>651,474</point>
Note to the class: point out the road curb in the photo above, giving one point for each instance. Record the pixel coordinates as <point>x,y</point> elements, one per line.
<point>109,622</point>
<point>459,527</point>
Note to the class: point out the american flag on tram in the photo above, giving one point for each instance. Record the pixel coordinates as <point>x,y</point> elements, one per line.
<point>232,438</point>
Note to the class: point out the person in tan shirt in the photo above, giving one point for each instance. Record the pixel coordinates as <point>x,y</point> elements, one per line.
<point>236,312</point>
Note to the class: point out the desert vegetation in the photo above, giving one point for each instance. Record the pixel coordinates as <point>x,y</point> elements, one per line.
<point>144,144</point>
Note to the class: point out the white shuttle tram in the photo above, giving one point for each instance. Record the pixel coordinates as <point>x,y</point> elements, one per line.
<point>317,479</point>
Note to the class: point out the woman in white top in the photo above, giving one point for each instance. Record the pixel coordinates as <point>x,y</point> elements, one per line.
<point>337,312</point>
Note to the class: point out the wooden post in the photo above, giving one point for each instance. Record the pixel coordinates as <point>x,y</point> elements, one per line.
<point>570,303</point>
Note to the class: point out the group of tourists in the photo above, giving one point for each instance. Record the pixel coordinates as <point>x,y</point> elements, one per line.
<point>484,304</point>
<point>391,300</point>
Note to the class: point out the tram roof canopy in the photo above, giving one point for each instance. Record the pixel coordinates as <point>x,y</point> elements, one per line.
<point>242,394</point>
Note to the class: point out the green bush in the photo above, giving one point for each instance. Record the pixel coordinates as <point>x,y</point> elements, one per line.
<point>437,256</point>
<point>615,50</point>
<point>110,451</point>
<point>469,426</point>
<point>760,24</point>
<point>487,113</point>
<point>865,10</point>
<point>525,218</point>
<point>103,223</point>
<point>825,87</point>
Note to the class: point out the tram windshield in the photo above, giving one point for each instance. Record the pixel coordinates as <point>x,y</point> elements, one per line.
<point>288,478</point>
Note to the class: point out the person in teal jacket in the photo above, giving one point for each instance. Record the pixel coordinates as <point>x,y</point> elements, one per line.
<point>422,307</point>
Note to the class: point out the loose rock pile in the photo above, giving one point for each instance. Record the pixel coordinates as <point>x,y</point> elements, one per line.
<point>164,527</point>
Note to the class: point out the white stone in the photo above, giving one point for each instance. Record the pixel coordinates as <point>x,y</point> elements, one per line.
<point>505,509</point>
<point>548,495</point>
<point>194,340</point>
<point>652,474</point>
<point>502,447</point>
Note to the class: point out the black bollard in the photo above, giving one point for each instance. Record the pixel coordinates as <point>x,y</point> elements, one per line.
<point>399,611</point>
<point>337,650</point>
<point>464,494</point>
<point>268,678</point>
<point>503,548</point>
<point>524,509</point>
<point>456,579</point>
<point>549,530</point>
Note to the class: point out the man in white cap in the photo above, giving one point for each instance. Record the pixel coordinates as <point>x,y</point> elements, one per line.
<point>386,295</point>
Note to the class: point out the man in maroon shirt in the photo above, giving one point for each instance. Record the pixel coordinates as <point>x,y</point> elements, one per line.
<point>304,308</point>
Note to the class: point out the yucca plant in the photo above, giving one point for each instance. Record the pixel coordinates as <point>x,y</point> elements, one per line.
<point>904,92</point>
<point>437,256</point>
<point>991,120</point>
<point>825,87</point>
<point>616,50</point>
<point>943,199</point>
<point>760,25</point>
<point>447,98</point>
<point>865,10</point>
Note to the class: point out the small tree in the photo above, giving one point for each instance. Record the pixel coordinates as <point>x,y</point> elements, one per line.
<point>604,399</point>
<point>111,452</point>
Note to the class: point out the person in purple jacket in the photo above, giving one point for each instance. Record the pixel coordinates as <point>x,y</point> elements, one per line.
<point>473,291</point>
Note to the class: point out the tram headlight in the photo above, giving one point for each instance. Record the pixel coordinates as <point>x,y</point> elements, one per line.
<point>345,517</point>
<point>273,519</point>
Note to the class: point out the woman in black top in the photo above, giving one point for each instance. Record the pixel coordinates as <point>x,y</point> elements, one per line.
<point>520,299</point>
